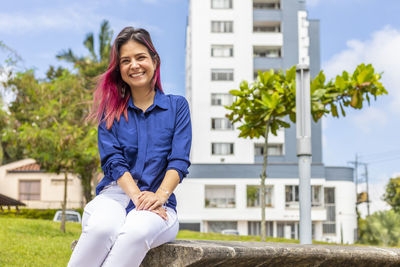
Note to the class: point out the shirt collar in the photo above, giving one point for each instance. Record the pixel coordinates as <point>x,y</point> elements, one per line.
<point>160,100</point>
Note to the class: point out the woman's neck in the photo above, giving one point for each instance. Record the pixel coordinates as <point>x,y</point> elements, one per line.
<point>143,98</point>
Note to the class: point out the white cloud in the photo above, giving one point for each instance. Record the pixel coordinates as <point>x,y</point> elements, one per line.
<point>376,192</point>
<point>382,51</point>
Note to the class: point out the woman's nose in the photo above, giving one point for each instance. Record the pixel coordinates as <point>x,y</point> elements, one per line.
<point>134,64</point>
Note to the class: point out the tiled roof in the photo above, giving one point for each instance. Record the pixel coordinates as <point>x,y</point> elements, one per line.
<point>8,201</point>
<point>26,168</point>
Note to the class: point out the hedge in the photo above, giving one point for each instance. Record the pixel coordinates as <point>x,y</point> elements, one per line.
<point>45,214</point>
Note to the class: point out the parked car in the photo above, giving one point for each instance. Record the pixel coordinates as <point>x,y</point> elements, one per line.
<point>230,232</point>
<point>70,216</point>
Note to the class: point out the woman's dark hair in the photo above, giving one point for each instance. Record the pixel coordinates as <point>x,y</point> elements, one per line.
<point>112,93</point>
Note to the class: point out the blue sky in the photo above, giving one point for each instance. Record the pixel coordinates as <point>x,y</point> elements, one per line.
<point>352,31</point>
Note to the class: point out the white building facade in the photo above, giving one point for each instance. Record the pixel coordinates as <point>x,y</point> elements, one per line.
<point>229,41</point>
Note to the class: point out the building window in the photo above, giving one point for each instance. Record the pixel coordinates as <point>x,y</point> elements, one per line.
<point>274,26</point>
<point>222,50</point>
<point>222,74</point>
<point>292,195</point>
<point>254,228</point>
<point>266,4</point>
<point>220,196</point>
<point>316,196</point>
<point>221,4</point>
<point>254,196</point>
<point>221,99</point>
<point>288,230</point>
<point>222,148</point>
<point>221,124</point>
<point>329,226</point>
<point>189,226</point>
<point>267,52</point>
<point>217,227</point>
<point>222,26</point>
<point>29,190</point>
<point>273,149</point>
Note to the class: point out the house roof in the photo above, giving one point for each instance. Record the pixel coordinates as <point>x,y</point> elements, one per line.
<point>32,167</point>
<point>8,201</point>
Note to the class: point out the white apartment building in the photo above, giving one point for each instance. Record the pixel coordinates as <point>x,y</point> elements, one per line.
<point>228,41</point>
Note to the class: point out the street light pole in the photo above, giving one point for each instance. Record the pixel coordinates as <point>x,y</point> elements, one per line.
<point>303,134</point>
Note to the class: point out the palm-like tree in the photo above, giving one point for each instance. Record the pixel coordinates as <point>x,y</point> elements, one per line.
<point>92,64</point>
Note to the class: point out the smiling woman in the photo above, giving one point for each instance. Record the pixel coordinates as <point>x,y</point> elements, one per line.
<point>144,155</point>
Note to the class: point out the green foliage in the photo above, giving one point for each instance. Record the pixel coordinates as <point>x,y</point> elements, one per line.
<point>273,97</point>
<point>91,65</point>
<point>381,228</point>
<point>344,91</point>
<point>43,214</point>
<point>270,98</point>
<point>392,194</point>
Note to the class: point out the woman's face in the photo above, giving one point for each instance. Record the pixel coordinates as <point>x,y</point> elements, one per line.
<point>136,65</point>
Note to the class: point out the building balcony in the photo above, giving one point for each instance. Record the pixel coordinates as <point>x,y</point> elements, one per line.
<point>260,15</point>
<point>265,63</point>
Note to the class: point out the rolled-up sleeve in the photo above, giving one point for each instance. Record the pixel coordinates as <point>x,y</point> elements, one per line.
<point>178,158</point>
<point>113,162</point>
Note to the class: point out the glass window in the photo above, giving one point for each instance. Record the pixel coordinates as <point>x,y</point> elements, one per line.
<point>222,148</point>
<point>266,4</point>
<point>254,228</point>
<point>254,196</point>
<point>287,230</point>
<point>221,99</point>
<point>221,4</point>
<point>274,26</point>
<point>329,226</point>
<point>273,149</point>
<point>316,196</point>
<point>267,52</point>
<point>217,227</point>
<point>222,26</point>
<point>221,124</point>
<point>292,195</point>
<point>222,74</point>
<point>29,190</point>
<point>220,196</point>
<point>222,50</point>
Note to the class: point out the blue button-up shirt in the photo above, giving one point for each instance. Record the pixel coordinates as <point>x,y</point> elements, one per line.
<point>147,144</point>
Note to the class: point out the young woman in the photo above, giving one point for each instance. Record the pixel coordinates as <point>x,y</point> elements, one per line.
<point>144,139</point>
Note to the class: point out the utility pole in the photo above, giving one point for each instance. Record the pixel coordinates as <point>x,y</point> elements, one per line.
<point>366,181</point>
<point>303,134</point>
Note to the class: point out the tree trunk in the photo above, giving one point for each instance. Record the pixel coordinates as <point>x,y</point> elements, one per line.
<point>263,176</point>
<point>64,205</point>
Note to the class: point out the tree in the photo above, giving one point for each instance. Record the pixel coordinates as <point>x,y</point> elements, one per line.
<point>50,120</point>
<point>381,228</point>
<point>267,104</point>
<point>392,194</point>
<point>91,65</point>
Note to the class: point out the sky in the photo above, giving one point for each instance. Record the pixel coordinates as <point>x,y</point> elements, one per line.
<point>352,32</point>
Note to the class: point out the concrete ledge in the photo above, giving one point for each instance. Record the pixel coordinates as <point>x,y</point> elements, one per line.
<point>206,253</point>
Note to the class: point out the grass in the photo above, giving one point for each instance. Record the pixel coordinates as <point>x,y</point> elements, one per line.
<point>30,242</point>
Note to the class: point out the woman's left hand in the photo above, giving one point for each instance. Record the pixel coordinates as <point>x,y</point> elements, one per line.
<point>148,200</point>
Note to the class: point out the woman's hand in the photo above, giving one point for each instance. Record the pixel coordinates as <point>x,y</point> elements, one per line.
<point>162,212</point>
<point>148,200</point>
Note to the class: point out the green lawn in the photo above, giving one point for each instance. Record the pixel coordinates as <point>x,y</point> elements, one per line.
<point>29,242</point>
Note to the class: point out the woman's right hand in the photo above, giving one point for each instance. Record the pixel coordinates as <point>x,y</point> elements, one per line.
<point>162,212</point>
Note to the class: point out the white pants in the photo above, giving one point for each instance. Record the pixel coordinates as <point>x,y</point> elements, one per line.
<point>112,238</point>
